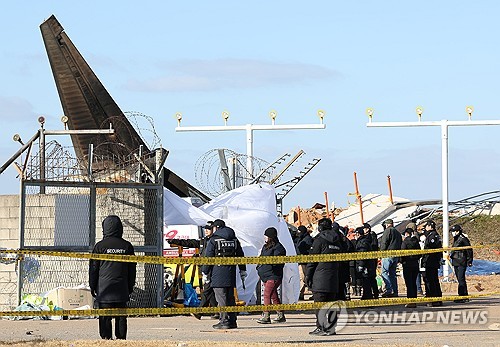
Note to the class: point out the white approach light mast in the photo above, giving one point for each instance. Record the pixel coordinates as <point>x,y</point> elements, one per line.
<point>444,124</point>
<point>249,129</point>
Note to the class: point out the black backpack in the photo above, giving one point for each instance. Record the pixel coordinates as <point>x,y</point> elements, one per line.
<point>225,248</point>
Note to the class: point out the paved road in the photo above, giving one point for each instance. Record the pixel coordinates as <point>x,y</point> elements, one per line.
<point>360,328</point>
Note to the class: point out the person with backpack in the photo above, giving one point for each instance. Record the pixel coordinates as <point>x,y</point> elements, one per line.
<point>112,282</point>
<point>271,275</point>
<point>224,243</point>
<point>460,259</point>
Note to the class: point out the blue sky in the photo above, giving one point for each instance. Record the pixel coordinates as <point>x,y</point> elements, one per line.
<point>200,58</point>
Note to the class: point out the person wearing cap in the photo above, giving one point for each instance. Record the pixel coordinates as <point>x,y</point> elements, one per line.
<point>391,240</point>
<point>208,295</point>
<point>224,243</point>
<point>410,264</point>
<point>460,259</point>
<point>432,262</point>
<point>303,243</point>
<point>271,275</point>
<point>323,277</point>
<point>112,282</point>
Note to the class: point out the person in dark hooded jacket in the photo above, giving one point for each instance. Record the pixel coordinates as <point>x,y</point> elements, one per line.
<point>271,275</point>
<point>323,277</point>
<point>223,277</point>
<point>112,282</point>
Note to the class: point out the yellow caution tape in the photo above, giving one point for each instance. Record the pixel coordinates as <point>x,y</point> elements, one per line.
<point>251,308</point>
<point>245,260</point>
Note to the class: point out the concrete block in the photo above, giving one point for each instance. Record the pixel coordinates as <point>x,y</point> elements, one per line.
<point>4,234</point>
<point>10,244</point>
<point>8,300</point>
<point>4,212</point>
<point>9,200</point>
<point>14,234</point>
<point>47,200</point>
<point>4,277</point>
<point>14,212</point>
<point>9,223</point>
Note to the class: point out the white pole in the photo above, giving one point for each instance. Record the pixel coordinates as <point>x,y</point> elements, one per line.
<point>444,183</point>
<point>444,162</point>
<point>249,152</point>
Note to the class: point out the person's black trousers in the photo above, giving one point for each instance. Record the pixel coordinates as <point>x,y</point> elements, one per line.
<point>367,288</point>
<point>462,284</point>
<point>225,297</point>
<point>105,327</point>
<point>410,276</point>
<point>208,296</point>
<point>431,275</point>
<point>323,297</point>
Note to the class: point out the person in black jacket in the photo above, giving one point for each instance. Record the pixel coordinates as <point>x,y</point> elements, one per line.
<point>372,273</point>
<point>391,240</point>
<point>303,242</point>
<point>432,262</point>
<point>460,259</point>
<point>410,264</point>
<point>271,275</point>
<point>364,268</point>
<point>323,277</point>
<point>224,243</point>
<point>208,295</point>
<point>112,282</point>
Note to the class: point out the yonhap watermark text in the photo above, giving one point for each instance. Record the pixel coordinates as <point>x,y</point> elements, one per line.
<point>452,317</point>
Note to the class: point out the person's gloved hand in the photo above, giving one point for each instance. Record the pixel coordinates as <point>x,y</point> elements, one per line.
<point>204,278</point>
<point>243,275</point>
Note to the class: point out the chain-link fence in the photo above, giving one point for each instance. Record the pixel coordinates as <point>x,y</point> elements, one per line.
<point>65,213</point>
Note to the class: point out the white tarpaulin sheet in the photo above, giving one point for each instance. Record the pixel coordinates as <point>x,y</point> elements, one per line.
<point>249,210</point>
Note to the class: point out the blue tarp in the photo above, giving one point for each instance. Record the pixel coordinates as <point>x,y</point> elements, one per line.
<point>484,267</point>
<point>481,267</point>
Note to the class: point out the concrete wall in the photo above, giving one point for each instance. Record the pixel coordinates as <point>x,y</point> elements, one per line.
<point>9,239</point>
<point>62,220</point>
